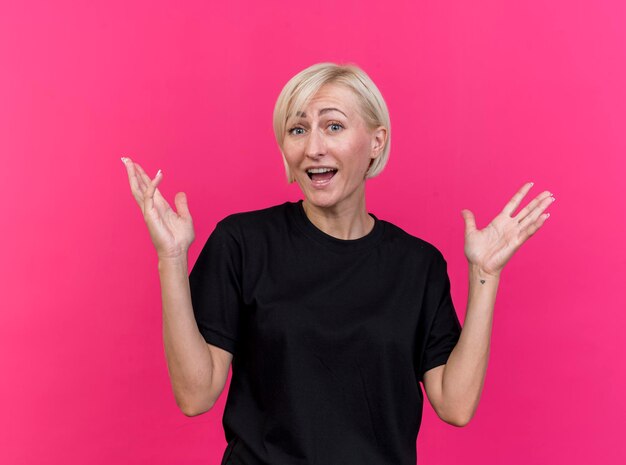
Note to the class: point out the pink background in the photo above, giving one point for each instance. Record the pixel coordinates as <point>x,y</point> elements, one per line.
<point>483,97</point>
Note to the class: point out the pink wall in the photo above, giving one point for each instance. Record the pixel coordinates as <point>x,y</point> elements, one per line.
<point>483,97</point>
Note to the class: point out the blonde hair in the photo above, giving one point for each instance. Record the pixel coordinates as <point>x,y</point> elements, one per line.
<point>304,85</point>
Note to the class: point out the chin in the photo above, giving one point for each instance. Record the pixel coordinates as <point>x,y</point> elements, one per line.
<point>319,200</point>
<point>322,200</point>
<point>329,198</point>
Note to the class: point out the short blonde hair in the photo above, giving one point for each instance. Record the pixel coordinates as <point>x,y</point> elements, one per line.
<point>304,85</point>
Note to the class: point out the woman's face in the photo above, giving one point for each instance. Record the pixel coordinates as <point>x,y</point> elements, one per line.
<point>332,134</point>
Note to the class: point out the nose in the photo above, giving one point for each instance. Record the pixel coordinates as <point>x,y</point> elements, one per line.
<point>315,144</point>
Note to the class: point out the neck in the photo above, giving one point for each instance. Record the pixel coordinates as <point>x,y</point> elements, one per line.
<point>342,222</point>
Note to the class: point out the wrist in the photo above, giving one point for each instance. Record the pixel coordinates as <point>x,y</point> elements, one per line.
<point>479,272</point>
<point>172,261</point>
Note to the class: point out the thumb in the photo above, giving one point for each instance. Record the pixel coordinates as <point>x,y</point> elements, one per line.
<point>182,208</point>
<point>470,221</point>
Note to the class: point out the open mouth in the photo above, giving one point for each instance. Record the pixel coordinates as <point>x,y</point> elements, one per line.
<point>321,174</point>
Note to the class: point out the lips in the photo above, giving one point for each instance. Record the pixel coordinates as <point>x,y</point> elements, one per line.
<point>320,180</point>
<point>322,176</point>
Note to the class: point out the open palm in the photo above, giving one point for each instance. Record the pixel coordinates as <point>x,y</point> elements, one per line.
<point>492,247</point>
<point>171,232</point>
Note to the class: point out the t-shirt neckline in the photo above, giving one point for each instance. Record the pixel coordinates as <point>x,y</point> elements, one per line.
<point>368,241</point>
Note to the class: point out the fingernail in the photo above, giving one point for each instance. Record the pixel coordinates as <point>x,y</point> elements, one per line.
<point>158,172</point>
<point>532,184</point>
<point>123,160</point>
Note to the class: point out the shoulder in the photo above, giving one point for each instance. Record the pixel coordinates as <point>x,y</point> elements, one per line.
<point>397,236</point>
<point>244,223</point>
<point>255,217</point>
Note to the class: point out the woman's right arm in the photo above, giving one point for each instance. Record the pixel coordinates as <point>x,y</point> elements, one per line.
<point>197,370</point>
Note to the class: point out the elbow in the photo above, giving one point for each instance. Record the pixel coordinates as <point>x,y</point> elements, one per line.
<point>193,401</point>
<point>456,417</point>
<point>189,412</point>
<point>191,409</point>
<point>459,420</point>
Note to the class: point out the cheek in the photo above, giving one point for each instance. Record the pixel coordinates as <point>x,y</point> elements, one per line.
<point>289,155</point>
<point>360,154</point>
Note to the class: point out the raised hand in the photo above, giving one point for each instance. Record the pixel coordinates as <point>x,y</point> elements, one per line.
<point>171,232</point>
<point>492,247</point>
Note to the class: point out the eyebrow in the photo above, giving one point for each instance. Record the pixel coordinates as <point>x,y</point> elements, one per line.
<point>301,114</point>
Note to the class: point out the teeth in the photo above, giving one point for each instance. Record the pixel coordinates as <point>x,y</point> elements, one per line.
<point>319,170</point>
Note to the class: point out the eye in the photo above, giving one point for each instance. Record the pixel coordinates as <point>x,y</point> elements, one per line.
<point>294,129</point>
<point>337,125</point>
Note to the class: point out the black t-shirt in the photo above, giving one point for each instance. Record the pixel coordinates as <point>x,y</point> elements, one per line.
<point>330,338</point>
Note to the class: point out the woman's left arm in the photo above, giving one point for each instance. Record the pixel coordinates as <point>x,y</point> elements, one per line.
<point>454,389</point>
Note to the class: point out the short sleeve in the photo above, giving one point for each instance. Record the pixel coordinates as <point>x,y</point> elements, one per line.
<point>215,285</point>
<point>445,328</point>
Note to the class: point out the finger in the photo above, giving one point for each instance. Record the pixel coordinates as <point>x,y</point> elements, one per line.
<point>534,227</point>
<point>528,208</point>
<point>144,182</point>
<point>182,207</point>
<point>132,175</point>
<point>140,179</point>
<point>143,188</point>
<point>144,178</point>
<point>157,194</point>
<point>159,201</point>
<point>149,194</point>
<point>536,212</point>
<point>470,221</point>
<point>512,204</point>
<point>134,181</point>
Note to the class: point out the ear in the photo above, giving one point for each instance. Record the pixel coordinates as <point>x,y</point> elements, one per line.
<point>379,137</point>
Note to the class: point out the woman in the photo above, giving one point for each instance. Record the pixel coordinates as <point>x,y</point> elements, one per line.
<point>329,315</point>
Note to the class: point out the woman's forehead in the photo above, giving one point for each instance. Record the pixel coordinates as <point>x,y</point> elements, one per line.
<point>337,92</point>
<point>330,98</point>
